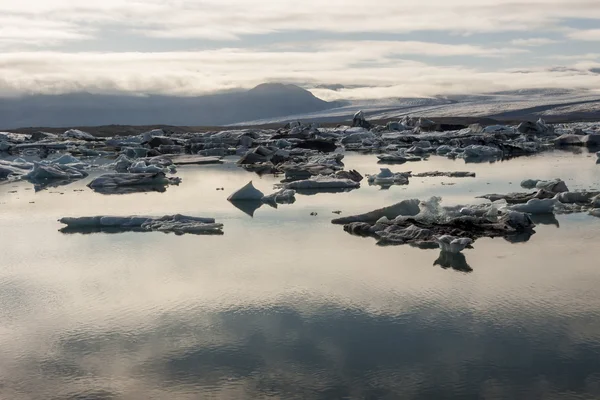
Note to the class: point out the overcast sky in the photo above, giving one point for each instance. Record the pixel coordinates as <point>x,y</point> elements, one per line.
<point>378,48</point>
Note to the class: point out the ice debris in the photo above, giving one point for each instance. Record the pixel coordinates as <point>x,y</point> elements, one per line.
<point>109,183</point>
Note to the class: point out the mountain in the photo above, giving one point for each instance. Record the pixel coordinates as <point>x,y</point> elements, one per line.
<point>269,100</point>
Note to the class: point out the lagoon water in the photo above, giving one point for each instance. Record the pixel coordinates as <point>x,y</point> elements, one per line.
<point>287,305</point>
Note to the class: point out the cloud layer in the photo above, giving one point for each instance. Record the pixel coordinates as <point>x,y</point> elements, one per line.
<point>423,47</point>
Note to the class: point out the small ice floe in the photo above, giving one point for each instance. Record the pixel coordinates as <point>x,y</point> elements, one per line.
<point>48,171</point>
<point>477,151</point>
<point>178,224</point>
<point>398,157</point>
<point>454,174</point>
<point>554,185</point>
<point>14,169</point>
<point>284,196</point>
<point>535,206</point>
<point>577,197</point>
<point>387,178</point>
<point>452,244</point>
<point>247,193</point>
<point>322,183</point>
<point>249,199</point>
<point>404,208</point>
<point>118,183</point>
<point>77,134</point>
<point>188,159</point>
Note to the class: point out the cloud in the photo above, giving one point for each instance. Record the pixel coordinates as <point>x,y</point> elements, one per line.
<point>375,66</point>
<point>533,42</point>
<point>227,19</point>
<point>591,35</point>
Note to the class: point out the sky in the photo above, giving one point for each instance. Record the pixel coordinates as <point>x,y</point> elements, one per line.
<point>374,48</point>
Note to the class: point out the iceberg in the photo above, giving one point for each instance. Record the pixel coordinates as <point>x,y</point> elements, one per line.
<point>284,196</point>
<point>405,208</point>
<point>49,171</point>
<point>452,244</point>
<point>247,193</point>
<point>322,182</point>
<point>178,224</point>
<point>108,182</point>
<point>77,134</point>
<point>387,177</point>
<point>535,206</point>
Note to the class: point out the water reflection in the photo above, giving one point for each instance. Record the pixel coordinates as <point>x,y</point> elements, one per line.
<point>433,352</point>
<point>248,207</point>
<point>118,190</point>
<point>456,261</point>
<point>544,219</point>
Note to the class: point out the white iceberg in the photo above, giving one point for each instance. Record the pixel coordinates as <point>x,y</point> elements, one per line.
<point>178,224</point>
<point>452,244</point>
<point>77,134</point>
<point>322,182</point>
<point>554,185</point>
<point>284,196</point>
<point>247,193</point>
<point>387,177</point>
<point>404,208</point>
<point>535,206</point>
<point>49,171</point>
<point>477,151</point>
<point>127,179</point>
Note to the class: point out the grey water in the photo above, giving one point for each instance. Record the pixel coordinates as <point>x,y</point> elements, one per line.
<point>287,305</point>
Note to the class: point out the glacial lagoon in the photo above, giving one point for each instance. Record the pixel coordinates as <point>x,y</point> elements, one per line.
<point>287,305</point>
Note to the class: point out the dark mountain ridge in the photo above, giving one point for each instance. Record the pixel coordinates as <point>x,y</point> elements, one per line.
<point>85,109</point>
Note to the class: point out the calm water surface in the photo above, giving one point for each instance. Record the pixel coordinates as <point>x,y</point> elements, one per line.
<point>287,305</point>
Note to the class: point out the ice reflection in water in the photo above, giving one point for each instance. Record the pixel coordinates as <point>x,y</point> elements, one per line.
<point>288,305</point>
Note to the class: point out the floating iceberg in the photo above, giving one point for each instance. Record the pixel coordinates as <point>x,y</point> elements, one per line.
<point>77,134</point>
<point>42,171</point>
<point>322,183</point>
<point>108,183</point>
<point>454,174</point>
<point>477,151</point>
<point>284,196</point>
<point>452,244</point>
<point>193,159</point>
<point>387,177</point>
<point>404,208</point>
<point>554,186</point>
<point>535,206</point>
<point>178,224</point>
<point>247,193</point>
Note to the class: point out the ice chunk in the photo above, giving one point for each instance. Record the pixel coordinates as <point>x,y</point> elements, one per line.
<point>178,224</point>
<point>45,171</point>
<point>535,206</point>
<point>387,177</point>
<point>127,179</point>
<point>576,197</point>
<point>405,207</point>
<point>452,244</point>
<point>554,186</point>
<point>322,182</point>
<point>77,134</point>
<point>477,151</point>
<point>284,196</point>
<point>453,174</point>
<point>247,193</point>
<point>193,159</point>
